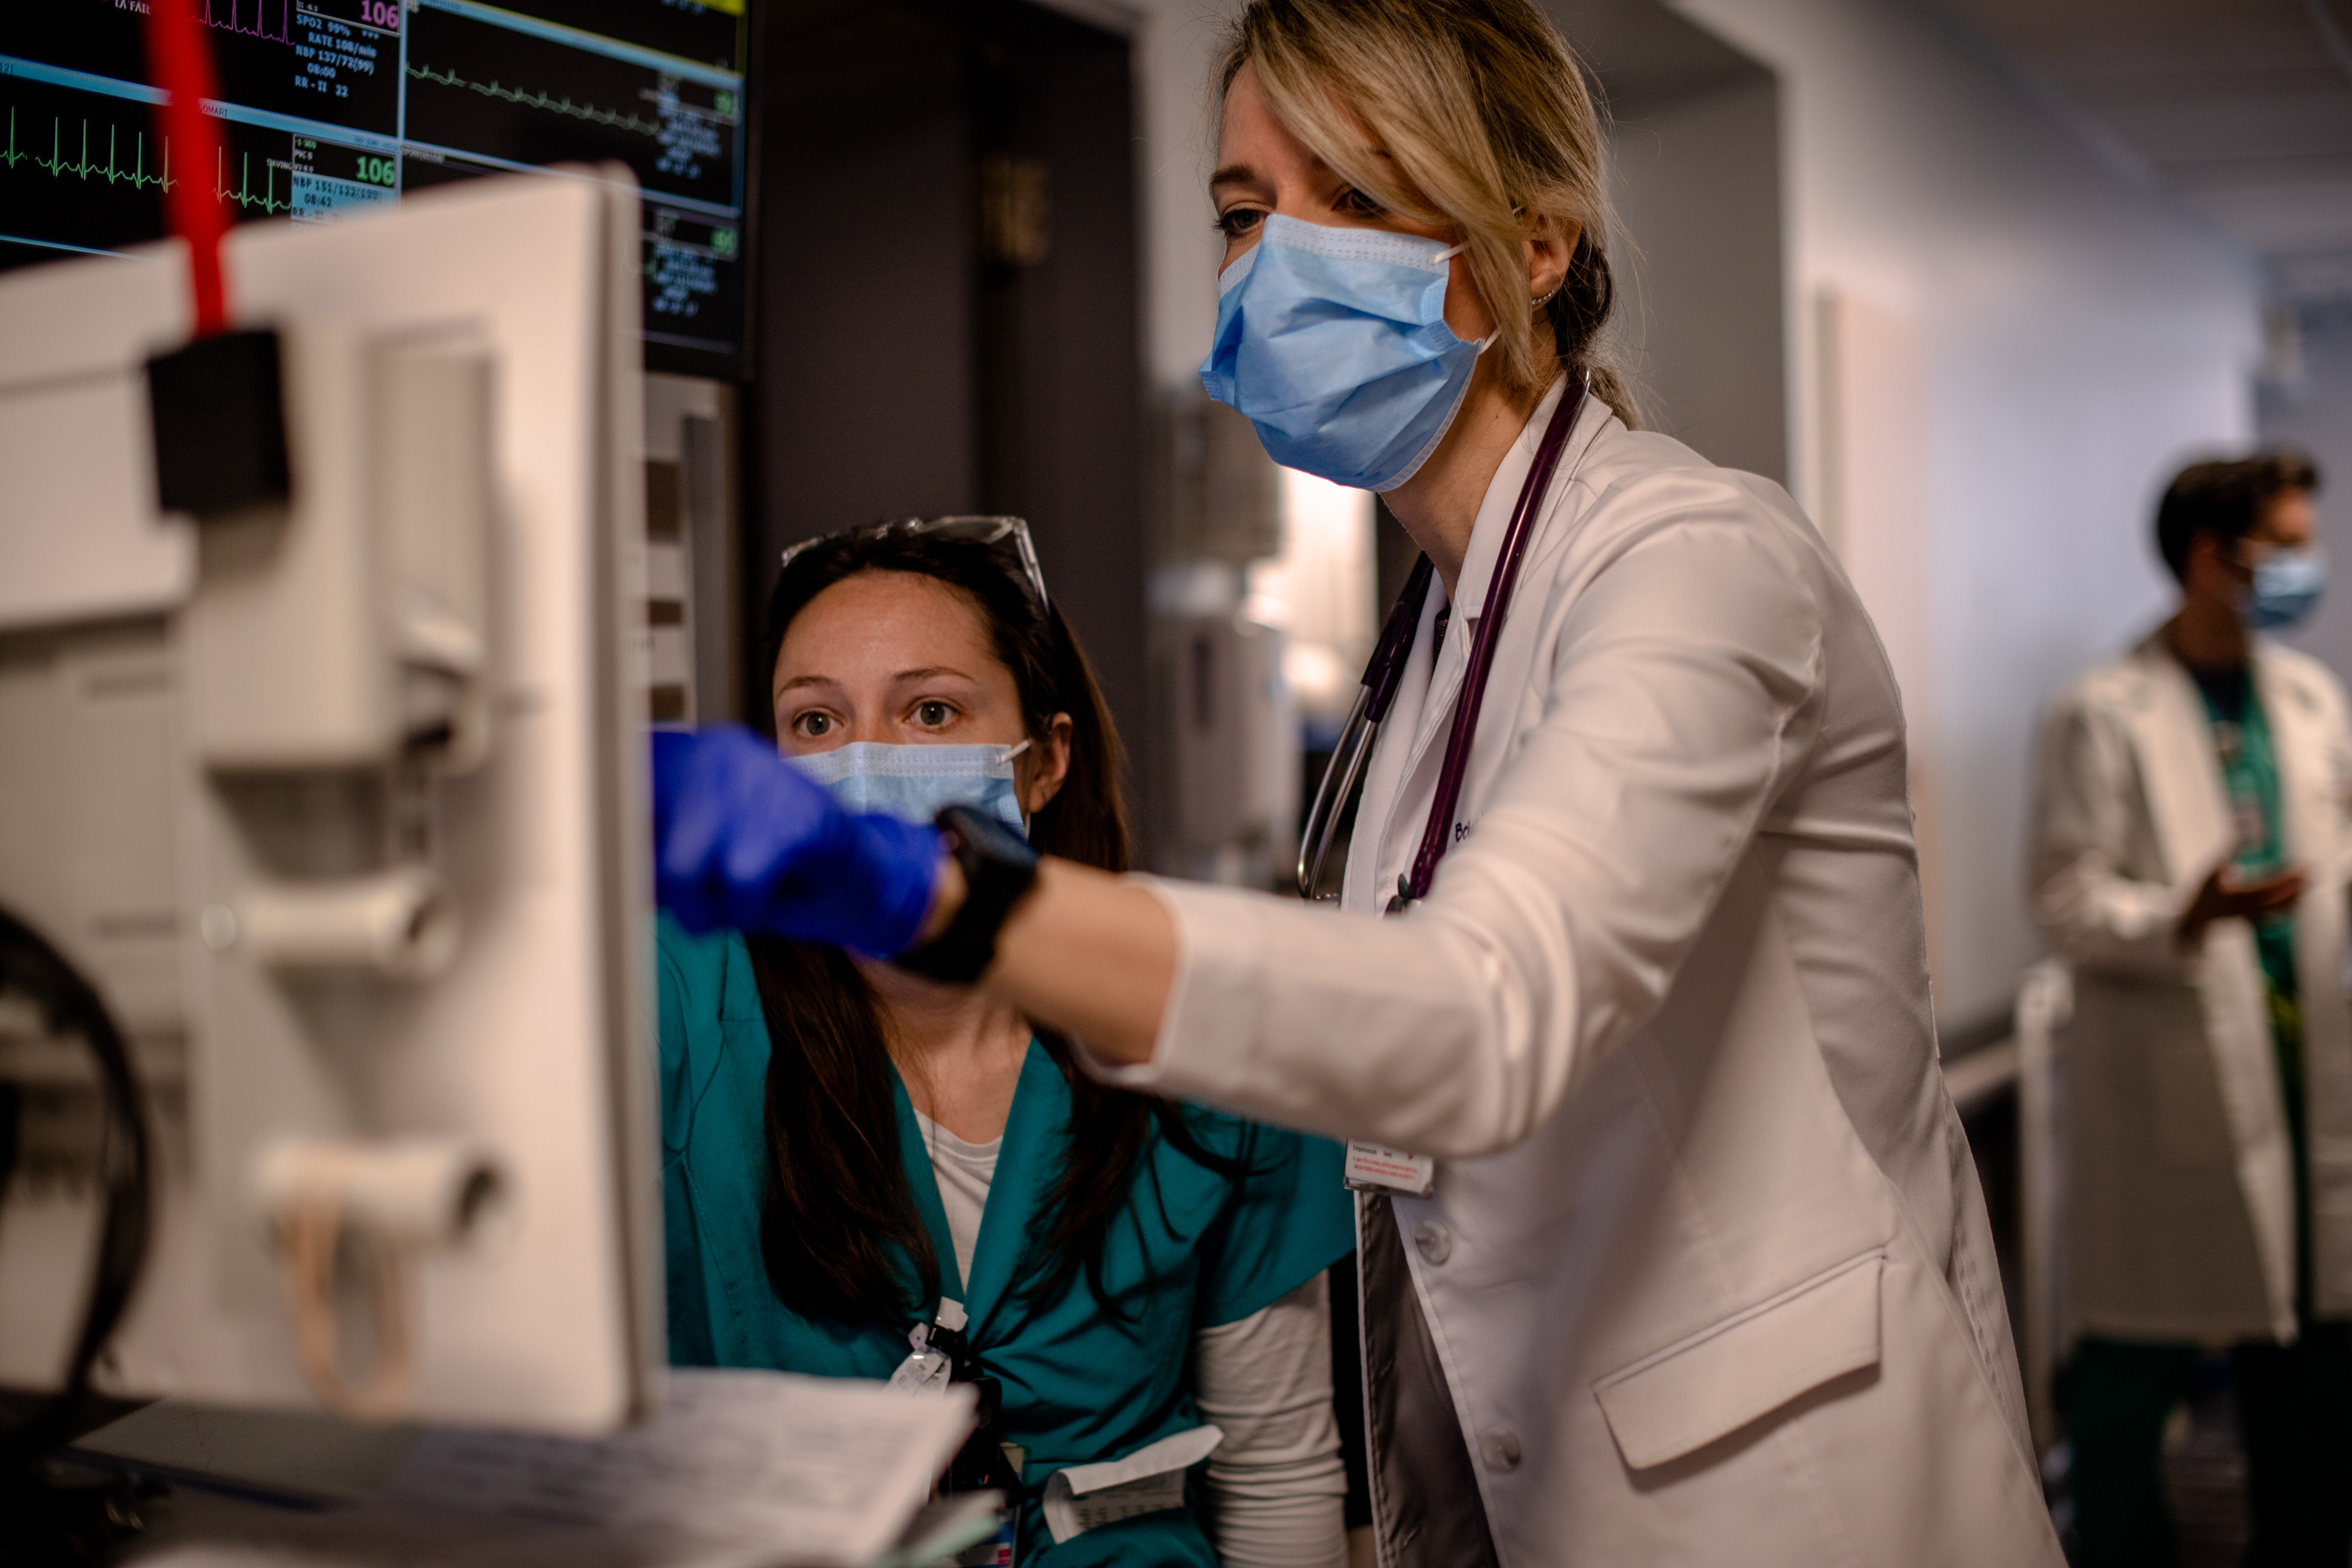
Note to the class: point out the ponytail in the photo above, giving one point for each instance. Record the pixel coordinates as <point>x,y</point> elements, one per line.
<point>1578,313</point>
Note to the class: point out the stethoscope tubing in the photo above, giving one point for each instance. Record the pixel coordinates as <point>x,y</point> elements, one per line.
<point>1437,836</point>
<point>1384,672</point>
<point>1346,765</point>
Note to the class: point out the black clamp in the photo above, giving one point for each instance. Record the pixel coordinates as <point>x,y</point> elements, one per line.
<point>218,405</point>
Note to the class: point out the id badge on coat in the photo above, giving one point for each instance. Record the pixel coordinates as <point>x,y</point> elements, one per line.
<point>1373,1167</point>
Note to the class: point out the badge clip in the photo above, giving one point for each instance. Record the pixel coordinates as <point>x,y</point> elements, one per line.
<point>931,1364</point>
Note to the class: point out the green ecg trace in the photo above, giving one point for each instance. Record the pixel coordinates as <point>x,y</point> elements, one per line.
<point>58,166</point>
<point>243,195</point>
<point>593,115</point>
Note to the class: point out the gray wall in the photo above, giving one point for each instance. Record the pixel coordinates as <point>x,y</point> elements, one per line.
<point>1695,135</point>
<point>1698,195</point>
<point>2314,411</point>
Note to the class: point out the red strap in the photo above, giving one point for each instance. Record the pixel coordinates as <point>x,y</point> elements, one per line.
<point>1436,836</point>
<point>180,61</point>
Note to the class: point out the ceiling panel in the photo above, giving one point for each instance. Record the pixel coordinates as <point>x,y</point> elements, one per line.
<point>2242,107</point>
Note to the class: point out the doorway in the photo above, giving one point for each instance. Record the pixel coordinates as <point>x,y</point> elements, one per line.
<point>948,300</point>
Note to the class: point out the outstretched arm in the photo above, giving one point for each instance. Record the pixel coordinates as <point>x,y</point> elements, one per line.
<point>1676,710</point>
<point>745,841</point>
<point>1089,954</point>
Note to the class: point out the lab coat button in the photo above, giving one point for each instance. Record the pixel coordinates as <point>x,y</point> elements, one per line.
<point>1437,1242</point>
<point>1500,1448</point>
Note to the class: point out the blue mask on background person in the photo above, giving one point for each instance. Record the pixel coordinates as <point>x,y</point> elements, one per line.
<point>2287,586</point>
<point>916,783</point>
<point>1333,342</point>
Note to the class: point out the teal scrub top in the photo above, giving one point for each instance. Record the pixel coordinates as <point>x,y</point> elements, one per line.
<point>1194,1248</point>
<point>2250,777</point>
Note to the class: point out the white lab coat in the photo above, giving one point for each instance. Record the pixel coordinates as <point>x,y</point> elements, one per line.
<point>2179,1204</point>
<point>1705,1264</point>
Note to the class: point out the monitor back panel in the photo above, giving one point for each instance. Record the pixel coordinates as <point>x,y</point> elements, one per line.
<point>135,851</point>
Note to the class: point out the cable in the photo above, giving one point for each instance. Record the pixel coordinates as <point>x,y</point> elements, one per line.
<point>180,58</point>
<point>30,966</point>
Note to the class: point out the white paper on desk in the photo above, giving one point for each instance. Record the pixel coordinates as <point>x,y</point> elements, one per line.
<point>817,1470</point>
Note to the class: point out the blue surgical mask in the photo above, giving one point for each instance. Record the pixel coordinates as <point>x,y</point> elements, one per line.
<point>1334,342</point>
<point>918,782</point>
<point>2287,585</point>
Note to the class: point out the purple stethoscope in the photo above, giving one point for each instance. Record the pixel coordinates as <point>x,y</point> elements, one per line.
<point>1386,671</point>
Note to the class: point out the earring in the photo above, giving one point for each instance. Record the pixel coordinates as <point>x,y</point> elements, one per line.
<point>1549,298</point>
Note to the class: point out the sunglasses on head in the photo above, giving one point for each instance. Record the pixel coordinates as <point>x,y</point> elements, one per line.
<point>1009,534</point>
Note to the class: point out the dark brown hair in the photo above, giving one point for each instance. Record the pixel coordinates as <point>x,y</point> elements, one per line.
<point>2226,499</point>
<point>839,1230</point>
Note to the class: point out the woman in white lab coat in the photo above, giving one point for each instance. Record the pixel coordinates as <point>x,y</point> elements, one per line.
<point>1680,1256</point>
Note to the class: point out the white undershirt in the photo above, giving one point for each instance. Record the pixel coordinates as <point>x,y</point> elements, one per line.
<point>964,1171</point>
<point>1274,1486</point>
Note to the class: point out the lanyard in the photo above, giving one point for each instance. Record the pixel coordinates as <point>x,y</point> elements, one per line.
<point>1385,672</point>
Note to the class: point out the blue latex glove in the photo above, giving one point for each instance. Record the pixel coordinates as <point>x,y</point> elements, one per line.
<point>744,840</point>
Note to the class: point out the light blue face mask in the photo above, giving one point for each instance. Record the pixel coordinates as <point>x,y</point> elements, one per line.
<point>1334,342</point>
<point>2287,586</point>
<point>918,782</point>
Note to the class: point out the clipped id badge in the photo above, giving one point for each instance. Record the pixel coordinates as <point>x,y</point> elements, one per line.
<point>931,1365</point>
<point>1372,1167</point>
<point>941,1358</point>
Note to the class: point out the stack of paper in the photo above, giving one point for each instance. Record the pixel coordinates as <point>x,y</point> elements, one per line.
<point>743,1470</point>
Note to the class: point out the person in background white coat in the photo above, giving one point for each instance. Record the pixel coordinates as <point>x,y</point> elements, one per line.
<point>2189,858</point>
<point>1684,1260</point>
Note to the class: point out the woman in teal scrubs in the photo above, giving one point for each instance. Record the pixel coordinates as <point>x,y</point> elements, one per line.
<point>847,1146</point>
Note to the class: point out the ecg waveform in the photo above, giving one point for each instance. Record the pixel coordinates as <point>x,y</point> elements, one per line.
<point>57,166</point>
<point>243,195</point>
<point>80,165</point>
<point>235,22</point>
<point>589,112</point>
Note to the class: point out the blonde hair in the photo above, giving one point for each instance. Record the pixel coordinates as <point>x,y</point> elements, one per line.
<point>1481,111</point>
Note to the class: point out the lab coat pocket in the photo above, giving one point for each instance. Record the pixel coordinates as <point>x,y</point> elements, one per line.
<point>1706,1387</point>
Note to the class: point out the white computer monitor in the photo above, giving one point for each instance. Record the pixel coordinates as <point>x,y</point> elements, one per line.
<point>340,809</point>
